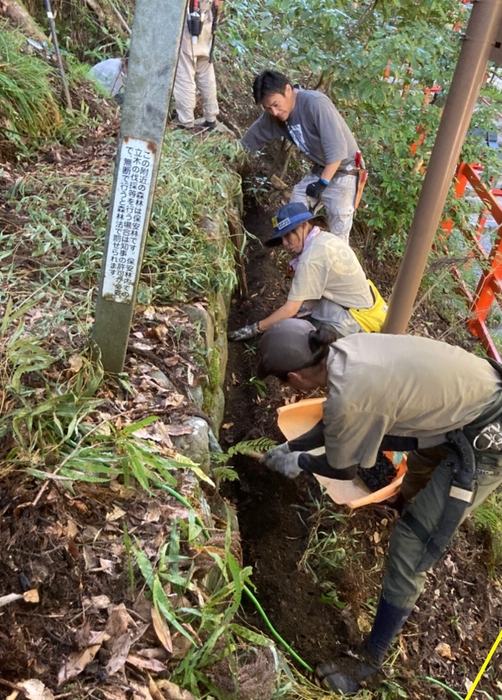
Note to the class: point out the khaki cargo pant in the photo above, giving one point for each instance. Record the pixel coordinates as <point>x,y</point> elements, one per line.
<point>338,199</point>
<point>192,73</point>
<point>429,477</point>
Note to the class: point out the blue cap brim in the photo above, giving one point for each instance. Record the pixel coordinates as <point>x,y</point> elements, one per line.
<point>274,241</point>
<point>293,222</point>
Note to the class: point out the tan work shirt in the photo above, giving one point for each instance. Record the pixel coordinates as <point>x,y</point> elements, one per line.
<point>329,269</point>
<point>399,385</point>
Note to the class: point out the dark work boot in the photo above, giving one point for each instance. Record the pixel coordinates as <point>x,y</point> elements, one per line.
<point>348,675</point>
<point>387,624</point>
<point>209,125</point>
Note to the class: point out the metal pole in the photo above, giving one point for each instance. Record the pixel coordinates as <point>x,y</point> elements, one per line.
<point>52,25</point>
<point>156,36</point>
<point>480,34</point>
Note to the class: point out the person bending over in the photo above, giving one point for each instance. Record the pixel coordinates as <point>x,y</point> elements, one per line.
<point>309,119</point>
<point>436,401</point>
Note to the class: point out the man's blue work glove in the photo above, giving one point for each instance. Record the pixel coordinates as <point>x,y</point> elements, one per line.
<point>315,189</point>
<point>244,333</point>
<point>283,461</point>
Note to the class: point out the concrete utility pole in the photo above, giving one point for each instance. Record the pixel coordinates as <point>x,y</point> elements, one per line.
<point>479,38</point>
<point>155,41</point>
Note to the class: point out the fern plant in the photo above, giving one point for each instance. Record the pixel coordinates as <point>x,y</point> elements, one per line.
<point>252,448</point>
<point>222,471</point>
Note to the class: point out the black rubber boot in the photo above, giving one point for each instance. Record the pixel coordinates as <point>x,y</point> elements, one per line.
<point>347,674</point>
<point>209,125</point>
<point>387,624</point>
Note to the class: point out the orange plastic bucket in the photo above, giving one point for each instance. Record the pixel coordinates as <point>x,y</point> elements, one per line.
<point>295,419</point>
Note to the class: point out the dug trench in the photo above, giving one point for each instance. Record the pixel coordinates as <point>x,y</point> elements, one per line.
<point>317,567</point>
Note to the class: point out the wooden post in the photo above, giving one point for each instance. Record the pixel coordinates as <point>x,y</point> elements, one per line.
<point>155,41</point>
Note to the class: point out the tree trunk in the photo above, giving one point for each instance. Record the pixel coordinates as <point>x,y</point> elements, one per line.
<point>17,14</point>
<point>107,17</point>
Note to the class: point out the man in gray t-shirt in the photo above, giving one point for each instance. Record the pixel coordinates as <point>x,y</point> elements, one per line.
<point>309,119</point>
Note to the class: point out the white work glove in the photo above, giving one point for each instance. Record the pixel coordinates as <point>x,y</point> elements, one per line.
<point>283,461</point>
<point>244,333</point>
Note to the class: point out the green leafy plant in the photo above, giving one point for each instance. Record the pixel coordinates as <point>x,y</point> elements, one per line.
<point>224,474</point>
<point>211,630</point>
<point>260,386</point>
<point>42,419</point>
<point>28,108</point>
<point>222,471</point>
<point>326,550</point>
<point>252,448</point>
<point>488,518</point>
<point>327,547</point>
<point>190,253</point>
<point>56,430</point>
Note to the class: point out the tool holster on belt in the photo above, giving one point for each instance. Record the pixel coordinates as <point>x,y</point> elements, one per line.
<point>461,494</point>
<point>362,178</point>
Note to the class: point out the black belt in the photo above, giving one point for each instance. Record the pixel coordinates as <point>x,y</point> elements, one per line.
<point>485,432</point>
<point>317,170</point>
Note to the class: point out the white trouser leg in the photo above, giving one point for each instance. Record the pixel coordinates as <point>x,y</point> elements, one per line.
<point>338,199</point>
<point>206,82</point>
<point>184,89</point>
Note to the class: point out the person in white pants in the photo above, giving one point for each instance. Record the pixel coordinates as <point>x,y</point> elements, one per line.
<point>195,71</point>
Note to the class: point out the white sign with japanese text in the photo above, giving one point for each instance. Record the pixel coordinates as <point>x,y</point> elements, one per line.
<point>128,219</point>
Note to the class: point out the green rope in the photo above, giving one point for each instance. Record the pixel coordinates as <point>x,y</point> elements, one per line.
<point>275,633</point>
<point>446,687</point>
<point>251,595</point>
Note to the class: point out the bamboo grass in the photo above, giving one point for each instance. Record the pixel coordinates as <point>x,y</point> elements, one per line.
<point>246,589</point>
<point>27,103</point>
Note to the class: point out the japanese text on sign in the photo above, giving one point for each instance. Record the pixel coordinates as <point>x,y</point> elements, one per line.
<point>128,219</point>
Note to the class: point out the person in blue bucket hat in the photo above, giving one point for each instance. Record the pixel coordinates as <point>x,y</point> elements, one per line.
<point>329,286</point>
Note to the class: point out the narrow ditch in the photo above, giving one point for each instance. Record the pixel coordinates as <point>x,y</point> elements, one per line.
<point>275,514</point>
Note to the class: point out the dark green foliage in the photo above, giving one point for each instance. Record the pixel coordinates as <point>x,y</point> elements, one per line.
<point>27,104</point>
<point>376,61</point>
<point>91,31</point>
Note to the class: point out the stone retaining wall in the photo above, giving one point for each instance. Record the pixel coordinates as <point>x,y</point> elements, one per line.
<point>209,396</point>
